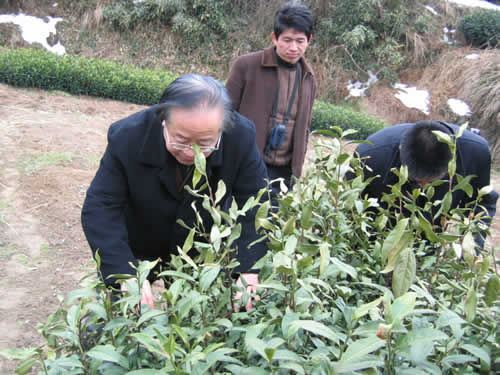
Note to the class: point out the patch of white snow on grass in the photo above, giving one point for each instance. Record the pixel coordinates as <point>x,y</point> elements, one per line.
<point>431,9</point>
<point>475,3</point>
<point>472,56</point>
<point>413,97</point>
<point>358,88</point>
<point>459,107</point>
<point>35,29</point>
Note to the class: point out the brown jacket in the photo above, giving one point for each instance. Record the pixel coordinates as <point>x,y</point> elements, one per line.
<point>252,85</point>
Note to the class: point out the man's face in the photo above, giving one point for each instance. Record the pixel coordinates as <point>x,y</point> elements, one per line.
<point>201,126</point>
<point>290,45</point>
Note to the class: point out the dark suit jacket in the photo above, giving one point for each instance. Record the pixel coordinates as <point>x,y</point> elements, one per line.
<point>132,204</point>
<point>473,158</point>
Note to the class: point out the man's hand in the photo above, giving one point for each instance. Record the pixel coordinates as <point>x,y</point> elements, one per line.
<point>147,294</point>
<point>252,280</point>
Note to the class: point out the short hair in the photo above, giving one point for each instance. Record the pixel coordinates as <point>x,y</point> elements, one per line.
<point>191,91</point>
<point>425,156</point>
<point>295,16</point>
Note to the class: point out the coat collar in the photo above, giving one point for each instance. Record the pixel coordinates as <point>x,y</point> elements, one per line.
<point>269,60</point>
<point>153,152</point>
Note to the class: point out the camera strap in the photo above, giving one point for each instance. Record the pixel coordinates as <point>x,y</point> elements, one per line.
<point>292,97</point>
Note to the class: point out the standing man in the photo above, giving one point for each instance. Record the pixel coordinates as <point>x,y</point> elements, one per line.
<point>133,203</point>
<point>416,146</point>
<point>275,88</point>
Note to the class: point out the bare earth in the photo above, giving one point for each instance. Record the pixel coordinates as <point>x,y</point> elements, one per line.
<point>43,252</point>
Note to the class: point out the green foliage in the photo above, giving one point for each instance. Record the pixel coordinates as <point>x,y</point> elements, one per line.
<point>481,28</point>
<point>372,32</point>
<point>326,115</point>
<point>197,21</point>
<point>82,76</point>
<point>345,289</point>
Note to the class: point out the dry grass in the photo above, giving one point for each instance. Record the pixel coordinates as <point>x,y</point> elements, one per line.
<point>481,85</point>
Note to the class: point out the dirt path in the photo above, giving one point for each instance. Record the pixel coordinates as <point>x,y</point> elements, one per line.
<point>50,145</point>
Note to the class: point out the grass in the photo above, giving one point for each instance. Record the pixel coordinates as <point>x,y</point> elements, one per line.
<point>45,160</point>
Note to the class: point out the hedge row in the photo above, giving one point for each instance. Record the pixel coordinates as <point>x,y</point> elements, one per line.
<point>102,78</point>
<point>326,115</point>
<point>82,76</point>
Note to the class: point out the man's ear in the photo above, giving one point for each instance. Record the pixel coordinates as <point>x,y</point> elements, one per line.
<point>273,38</point>
<point>310,38</point>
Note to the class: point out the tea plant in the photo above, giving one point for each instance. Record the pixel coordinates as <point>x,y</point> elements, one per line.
<point>348,286</point>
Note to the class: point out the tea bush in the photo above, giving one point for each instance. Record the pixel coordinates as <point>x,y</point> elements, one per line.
<point>481,28</point>
<point>326,115</point>
<point>82,76</point>
<point>346,288</point>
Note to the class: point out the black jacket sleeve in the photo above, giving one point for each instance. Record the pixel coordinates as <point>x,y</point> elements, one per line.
<point>103,215</point>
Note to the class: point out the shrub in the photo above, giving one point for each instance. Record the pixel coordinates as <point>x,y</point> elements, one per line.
<point>326,115</point>
<point>82,76</point>
<point>329,306</point>
<point>481,28</point>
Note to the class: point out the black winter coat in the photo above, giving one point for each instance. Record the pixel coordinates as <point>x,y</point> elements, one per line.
<point>473,158</point>
<point>132,204</point>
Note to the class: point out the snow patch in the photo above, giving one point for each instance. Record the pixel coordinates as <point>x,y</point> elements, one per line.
<point>472,56</point>
<point>412,97</point>
<point>35,29</point>
<point>358,88</point>
<point>431,9</point>
<point>475,3</point>
<point>459,107</point>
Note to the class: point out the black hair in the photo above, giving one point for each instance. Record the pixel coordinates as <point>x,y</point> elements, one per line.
<point>426,157</point>
<point>191,91</point>
<point>295,16</point>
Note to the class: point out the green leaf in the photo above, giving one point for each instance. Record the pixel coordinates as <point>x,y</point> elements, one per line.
<point>401,307</point>
<point>393,240</point>
<point>468,248</point>
<point>239,370</point>
<point>108,353</point>
<point>292,366</point>
<point>170,345</point>
<point>404,272</point>
<point>394,256</point>
<point>492,290</point>
<point>453,360</point>
<point>261,217</point>
<point>18,354</point>
<point>342,367</point>
<point>199,160</point>
<point>289,226</point>
<point>148,315</point>
<point>221,191</point>
<point>290,245</point>
<point>324,257</point>
<point>269,353</point>
<point>470,305</point>
<point>365,308</point>
<point>478,352</point>
<point>426,226</point>
<point>305,218</point>
<point>150,344</point>
<point>26,366</point>
<point>177,274</point>
<point>314,327</point>
<point>188,243</point>
<point>147,371</point>
<point>208,275</point>
<point>360,348</point>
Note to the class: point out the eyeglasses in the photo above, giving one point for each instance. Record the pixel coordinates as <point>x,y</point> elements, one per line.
<point>184,147</point>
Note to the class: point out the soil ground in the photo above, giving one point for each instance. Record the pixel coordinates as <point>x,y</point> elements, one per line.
<point>50,146</point>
